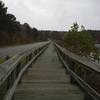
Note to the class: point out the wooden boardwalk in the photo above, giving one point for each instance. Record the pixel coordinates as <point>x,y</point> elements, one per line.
<point>47,80</point>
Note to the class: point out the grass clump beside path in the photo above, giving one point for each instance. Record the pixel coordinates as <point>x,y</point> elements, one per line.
<point>1,60</point>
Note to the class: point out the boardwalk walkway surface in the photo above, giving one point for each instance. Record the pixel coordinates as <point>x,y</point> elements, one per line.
<point>47,80</point>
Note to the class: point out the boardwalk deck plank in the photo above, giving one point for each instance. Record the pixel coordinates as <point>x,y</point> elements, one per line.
<point>47,80</point>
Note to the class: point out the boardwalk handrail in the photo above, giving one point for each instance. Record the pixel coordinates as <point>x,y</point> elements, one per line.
<point>12,70</point>
<point>90,93</point>
<point>82,60</point>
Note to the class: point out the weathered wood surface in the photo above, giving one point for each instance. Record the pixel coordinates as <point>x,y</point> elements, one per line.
<point>47,80</point>
<point>12,50</point>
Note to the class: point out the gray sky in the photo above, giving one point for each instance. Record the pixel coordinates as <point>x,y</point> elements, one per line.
<point>56,14</point>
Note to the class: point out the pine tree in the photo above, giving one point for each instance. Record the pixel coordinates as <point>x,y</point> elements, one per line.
<point>79,42</point>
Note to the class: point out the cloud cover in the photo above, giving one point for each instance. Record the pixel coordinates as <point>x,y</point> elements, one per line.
<point>56,14</point>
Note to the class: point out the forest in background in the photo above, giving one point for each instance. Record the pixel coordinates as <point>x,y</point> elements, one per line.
<point>12,32</point>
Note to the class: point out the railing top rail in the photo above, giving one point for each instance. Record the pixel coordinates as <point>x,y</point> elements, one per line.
<point>90,65</point>
<point>8,66</point>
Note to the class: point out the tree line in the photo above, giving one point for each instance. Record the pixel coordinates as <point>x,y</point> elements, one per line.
<point>13,32</point>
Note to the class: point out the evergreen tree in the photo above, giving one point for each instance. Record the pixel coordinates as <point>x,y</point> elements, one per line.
<point>3,12</point>
<point>79,42</point>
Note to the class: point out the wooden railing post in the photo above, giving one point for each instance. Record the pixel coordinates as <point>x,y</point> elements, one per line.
<point>13,97</point>
<point>87,96</point>
<point>18,69</point>
<point>72,65</point>
<point>30,57</point>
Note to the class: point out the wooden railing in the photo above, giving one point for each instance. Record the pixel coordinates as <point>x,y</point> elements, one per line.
<point>12,70</point>
<point>85,74</point>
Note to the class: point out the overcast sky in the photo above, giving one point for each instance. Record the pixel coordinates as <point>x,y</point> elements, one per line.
<point>56,14</point>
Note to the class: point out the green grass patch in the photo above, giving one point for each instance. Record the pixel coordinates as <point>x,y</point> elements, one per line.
<point>1,60</point>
